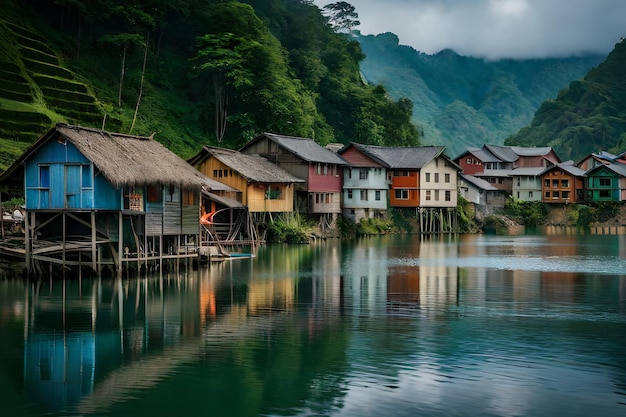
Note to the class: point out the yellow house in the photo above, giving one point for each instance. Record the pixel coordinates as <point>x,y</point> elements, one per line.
<point>264,186</point>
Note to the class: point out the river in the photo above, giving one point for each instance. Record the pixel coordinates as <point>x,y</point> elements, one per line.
<point>475,325</point>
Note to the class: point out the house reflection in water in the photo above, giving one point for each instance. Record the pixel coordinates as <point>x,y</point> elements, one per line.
<point>59,361</point>
<point>399,279</point>
<point>80,332</point>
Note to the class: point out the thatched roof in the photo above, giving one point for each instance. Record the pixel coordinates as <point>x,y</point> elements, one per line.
<point>253,168</point>
<point>125,160</point>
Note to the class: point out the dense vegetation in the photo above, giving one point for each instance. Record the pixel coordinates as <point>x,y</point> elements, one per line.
<point>463,101</point>
<point>589,116</point>
<point>190,71</point>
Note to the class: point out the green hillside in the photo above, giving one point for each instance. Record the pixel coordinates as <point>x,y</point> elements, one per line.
<point>462,101</point>
<point>588,116</point>
<point>191,72</point>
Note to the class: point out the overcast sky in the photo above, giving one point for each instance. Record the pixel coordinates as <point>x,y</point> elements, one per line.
<point>497,28</point>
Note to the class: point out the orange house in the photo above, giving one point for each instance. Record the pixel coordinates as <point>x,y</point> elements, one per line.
<point>563,184</point>
<point>418,176</point>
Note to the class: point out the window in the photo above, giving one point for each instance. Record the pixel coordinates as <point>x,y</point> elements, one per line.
<point>448,195</point>
<point>565,195</point>
<point>349,172</point>
<point>86,176</point>
<point>44,176</point>
<point>436,177</point>
<point>469,161</point>
<point>363,195</point>
<point>189,198</point>
<point>402,194</point>
<point>154,193</point>
<point>225,173</point>
<point>519,182</point>
<point>377,195</point>
<point>215,173</point>
<point>546,183</point>
<point>555,183</point>
<point>447,178</point>
<point>605,194</point>
<point>428,195</point>
<point>172,194</point>
<point>605,182</point>
<point>500,180</point>
<point>349,194</point>
<point>327,198</point>
<point>436,195</point>
<point>555,195</point>
<point>133,199</point>
<point>530,194</point>
<point>317,198</point>
<point>273,193</point>
<point>400,173</point>
<point>547,195</point>
<point>564,183</point>
<point>428,177</point>
<point>363,174</point>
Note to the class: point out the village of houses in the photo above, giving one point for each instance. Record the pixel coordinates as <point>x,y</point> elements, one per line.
<point>112,201</point>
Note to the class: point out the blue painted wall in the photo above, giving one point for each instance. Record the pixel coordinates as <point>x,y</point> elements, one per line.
<point>58,176</point>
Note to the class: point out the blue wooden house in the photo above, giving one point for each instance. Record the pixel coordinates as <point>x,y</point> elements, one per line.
<point>101,198</point>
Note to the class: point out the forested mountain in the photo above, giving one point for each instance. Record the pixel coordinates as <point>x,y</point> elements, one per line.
<point>193,72</point>
<point>463,101</point>
<point>589,116</point>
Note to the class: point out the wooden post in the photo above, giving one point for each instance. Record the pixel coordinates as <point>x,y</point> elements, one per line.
<point>93,240</point>
<point>64,241</point>
<point>27,239</point>
<point>120,243</point>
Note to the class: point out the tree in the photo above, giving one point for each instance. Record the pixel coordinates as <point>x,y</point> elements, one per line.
<point>126,41</point>
<point>342,16</point>
<point>223,57</point>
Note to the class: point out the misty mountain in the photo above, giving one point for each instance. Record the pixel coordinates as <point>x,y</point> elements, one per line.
<point>461,101</point>
<point>588,116</point>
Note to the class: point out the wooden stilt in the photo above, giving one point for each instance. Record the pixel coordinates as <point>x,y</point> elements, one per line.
<point>93,241</point>
<point>27,239</point>
<point>120,244</point>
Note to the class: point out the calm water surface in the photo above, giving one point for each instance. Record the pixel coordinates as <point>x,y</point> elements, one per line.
<point>392,326</point>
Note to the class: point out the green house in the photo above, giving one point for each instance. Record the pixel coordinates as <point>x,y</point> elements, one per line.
<point>607,183</point>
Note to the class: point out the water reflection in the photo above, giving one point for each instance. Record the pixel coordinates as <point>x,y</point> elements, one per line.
<point>397,325</point>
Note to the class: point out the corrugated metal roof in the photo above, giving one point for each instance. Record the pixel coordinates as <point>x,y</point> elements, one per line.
<point>619,169</point>
<point>479,183</point>
<point>505,153</point>
<point>402,158</point>
<point>254,168</point>
<point>305,148</point>
<point>531,151</point>
<point>535,171</point>
<point>572,169</point>
<point>495,173</point>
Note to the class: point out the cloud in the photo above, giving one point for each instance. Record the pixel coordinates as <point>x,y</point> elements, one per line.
<point>498,28</point>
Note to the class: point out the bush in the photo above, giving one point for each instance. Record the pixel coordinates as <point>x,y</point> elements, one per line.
<point>294,229</point>
<point>467,224</point>
<point>368,226</point>
<point>528,213</point>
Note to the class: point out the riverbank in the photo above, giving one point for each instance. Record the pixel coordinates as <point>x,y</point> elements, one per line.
<point>595,218</point>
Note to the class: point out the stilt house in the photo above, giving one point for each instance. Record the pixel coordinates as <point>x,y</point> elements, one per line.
<point>320,168</point>
<point>100,199</point>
